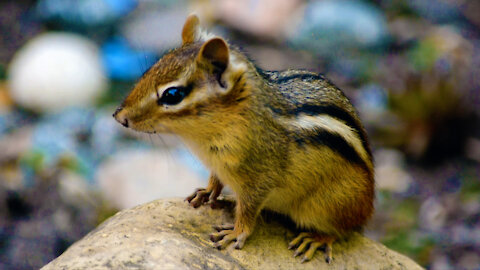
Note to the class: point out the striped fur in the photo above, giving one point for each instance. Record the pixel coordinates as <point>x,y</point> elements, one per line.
<point>324,129</point>
<point>340,114</point>
<point>288,141</point>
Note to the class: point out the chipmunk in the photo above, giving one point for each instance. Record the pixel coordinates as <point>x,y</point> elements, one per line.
<point>288,141</point>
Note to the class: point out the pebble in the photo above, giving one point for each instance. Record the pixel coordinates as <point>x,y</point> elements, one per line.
<point>389,171</point>
<point>132,177</point>
<point>328,26</point>
<point>54,71</point>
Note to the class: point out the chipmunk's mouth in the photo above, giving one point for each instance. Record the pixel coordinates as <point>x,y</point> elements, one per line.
<point>144,125</point>
<point>148,128</point>
<point>121,117</point>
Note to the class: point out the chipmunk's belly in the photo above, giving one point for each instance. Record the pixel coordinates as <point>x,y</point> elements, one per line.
<point>280,200</point>
<point>305,213</point>
<point>307,210</point>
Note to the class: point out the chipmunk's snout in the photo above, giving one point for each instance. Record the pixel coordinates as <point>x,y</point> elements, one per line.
<point>121,116</point>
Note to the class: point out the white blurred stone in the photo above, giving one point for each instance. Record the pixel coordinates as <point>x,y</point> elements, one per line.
<point>134,177</point>
<point>265,18</point>
<point>441,263</point>
<point>56,70</point>
<point>389,172</point>
<point>432,214</point>
<point>155,29</point>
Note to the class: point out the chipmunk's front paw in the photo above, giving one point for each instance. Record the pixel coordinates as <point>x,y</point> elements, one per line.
<point>199,197</point>
<point>227,234</point>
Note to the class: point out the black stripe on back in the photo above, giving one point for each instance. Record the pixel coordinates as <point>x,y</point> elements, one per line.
<point>333,141</point>
<point>338,113</point>
<point>301,76</point>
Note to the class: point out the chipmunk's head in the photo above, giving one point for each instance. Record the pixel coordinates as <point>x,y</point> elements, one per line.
<point>189,88</point>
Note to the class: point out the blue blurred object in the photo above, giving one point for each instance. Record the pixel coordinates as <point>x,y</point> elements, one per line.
<point>81,134</point>
<point>439,11</point>
<point>12,120</point>
<point>57,134</point>
<point>443,65</point>
<point>372,98</point>
<point>192,162</point>
<point>3,124</point>
<point>124,63</point>
<point>121,7</point>
<point>104,134</point>
<point>329,26</point>
<point>452,184</point>
<point>85,13</point>
<point>351,68</point>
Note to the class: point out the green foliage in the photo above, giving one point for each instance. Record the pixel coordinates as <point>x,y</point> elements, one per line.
<point>71,163</point>
<point>34,160</point>
<point>3,72</point>
<point>415,246</point>
<point>404,215</point>
<point>424,55</point>
<point>470,189</point>
<point>115,94</point>
<point>104,211</point>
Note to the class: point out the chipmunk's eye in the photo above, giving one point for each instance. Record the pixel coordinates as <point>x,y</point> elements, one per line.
<point>173,95</point>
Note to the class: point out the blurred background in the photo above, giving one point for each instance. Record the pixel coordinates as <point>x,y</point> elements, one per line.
<point>411,67</point>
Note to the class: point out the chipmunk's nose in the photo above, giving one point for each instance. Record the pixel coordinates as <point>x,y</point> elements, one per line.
<point>121,116</point>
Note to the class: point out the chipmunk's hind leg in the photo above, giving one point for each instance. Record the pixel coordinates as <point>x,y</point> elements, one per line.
<point>308,243</point>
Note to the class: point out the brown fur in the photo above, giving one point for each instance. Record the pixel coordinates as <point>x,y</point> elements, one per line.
<point>243,123</point>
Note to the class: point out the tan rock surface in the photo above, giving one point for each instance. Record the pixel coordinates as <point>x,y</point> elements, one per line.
<point>169,234</point>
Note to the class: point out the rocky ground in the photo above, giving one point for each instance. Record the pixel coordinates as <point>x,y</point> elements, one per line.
<point>170,234</point>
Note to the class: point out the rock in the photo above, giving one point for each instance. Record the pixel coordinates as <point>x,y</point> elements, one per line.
<point>155,27</point>
<point>438,11</point>
<point>390,173</point>
<point>433,214</point>
<point>329,26</point>
<point>264,18</point>
<point>169,234</point>
<point>56,70</point>
<point>132,177</point>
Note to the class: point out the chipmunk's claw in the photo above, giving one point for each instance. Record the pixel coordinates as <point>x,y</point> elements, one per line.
<point>240,241</point>
<point>226,236</point>
<point>304,259</point>
<point>308,243</point>
<point>328,259</point>
<point>226,226</point>
<point>199,197</point>
<point>215,237</point>
<point>328,253</point>
<point>225,240</point>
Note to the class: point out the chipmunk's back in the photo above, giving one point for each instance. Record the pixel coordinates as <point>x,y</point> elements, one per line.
<point>305,92</point>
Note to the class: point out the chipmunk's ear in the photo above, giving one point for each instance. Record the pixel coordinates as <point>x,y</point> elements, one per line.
<point>215,52</point>
<point>191,29</point>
